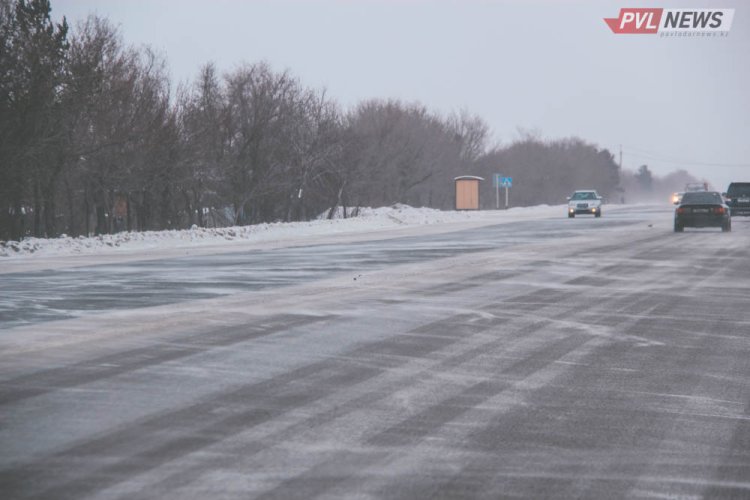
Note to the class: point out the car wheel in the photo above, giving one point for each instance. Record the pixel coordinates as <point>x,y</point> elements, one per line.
<point>571,215</point>
<point>726,227</point>
<point>598,213</point>
<point>678,228</point>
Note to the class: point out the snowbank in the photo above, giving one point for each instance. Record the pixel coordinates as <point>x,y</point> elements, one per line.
<point>368,219</point>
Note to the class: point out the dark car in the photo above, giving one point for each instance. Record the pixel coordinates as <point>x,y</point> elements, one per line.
<point>702,209</point>
<point>738,198</point>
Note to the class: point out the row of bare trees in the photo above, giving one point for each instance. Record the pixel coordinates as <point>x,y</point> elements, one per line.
<point>93,140</point>
<point>86,127</point>
<point>549,171</point>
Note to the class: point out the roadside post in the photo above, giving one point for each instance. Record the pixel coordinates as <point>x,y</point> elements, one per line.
<point>496,182</point>
<point>505,182</point>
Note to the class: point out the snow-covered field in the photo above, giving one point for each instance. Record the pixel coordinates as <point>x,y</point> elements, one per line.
<point>369,220</point>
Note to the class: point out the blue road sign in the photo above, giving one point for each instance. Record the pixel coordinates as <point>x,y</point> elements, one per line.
<point>501,181</point>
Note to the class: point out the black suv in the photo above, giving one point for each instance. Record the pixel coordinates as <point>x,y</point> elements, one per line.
<point>738,198</point>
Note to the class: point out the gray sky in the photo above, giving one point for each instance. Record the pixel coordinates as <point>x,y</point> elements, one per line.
<point>550,66</point>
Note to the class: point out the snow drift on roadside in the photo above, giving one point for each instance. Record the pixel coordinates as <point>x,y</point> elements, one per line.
<point>367,219</point>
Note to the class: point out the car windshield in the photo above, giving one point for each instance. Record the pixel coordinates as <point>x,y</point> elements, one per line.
<point>739,189</point>
<point>589,195</point>
<point>700,198</point>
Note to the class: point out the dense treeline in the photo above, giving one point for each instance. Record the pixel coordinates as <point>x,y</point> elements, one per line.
<point>548,172</point>
<point>94,140</point>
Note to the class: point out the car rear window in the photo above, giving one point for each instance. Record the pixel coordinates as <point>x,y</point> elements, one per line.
<point>739,189</point>
<point>701,197</point>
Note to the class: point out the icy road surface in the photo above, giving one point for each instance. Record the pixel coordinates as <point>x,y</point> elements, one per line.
<point>583,358</point>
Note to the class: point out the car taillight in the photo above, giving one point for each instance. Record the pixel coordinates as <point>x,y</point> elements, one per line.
<point>719,210</point>
<point>681,210</point>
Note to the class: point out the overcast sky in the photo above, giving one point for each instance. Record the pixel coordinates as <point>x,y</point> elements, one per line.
<point>550,66</point>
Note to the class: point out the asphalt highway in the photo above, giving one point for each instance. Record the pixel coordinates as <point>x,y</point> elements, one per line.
<point>550,358</point>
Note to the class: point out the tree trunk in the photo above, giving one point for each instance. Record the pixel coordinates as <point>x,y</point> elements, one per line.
<point>129,212</point>
<point>199,207</point>
<point>101,219</point>
<point>50,226</point>
<point>72,229</point>
<point>339,197</point>
<point>188,208</point>
<point>50,208</point>
<point>87,210</point>
<point>37,210</point>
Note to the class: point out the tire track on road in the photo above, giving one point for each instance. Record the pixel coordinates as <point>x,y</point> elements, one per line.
<point>112,365</point>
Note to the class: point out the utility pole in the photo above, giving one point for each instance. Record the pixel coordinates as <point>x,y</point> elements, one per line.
<point>622,198</point>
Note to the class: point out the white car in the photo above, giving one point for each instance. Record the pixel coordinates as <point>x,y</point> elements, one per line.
<point>585,202</point>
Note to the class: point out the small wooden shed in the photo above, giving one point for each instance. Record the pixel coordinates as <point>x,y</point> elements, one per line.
<point>467,192</point>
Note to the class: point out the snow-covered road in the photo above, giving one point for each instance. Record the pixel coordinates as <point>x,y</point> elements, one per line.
<point>135,279</point>
<point>529,357</point>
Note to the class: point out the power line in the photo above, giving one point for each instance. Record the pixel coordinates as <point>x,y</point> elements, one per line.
<point>649,155</point>
<point>688,163</point>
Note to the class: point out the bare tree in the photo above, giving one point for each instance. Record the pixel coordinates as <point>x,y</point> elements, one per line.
<point>471,132</point>
<point>261,105</point>
<point>32,62</point>
<point>399,153</point>
<point>119,113</point>
<point>316,149</point>
<point>203,115</point>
